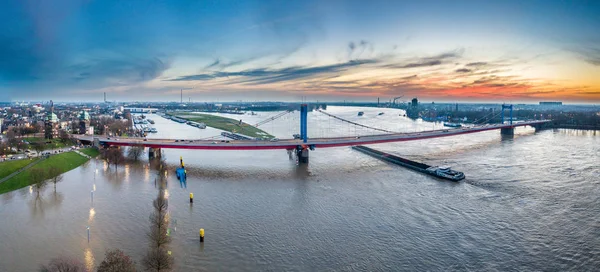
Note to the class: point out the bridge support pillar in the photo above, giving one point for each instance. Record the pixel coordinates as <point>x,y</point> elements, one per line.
<point>154,153</point>
<point>302,153</point>
<point>507,131</point>
<point>539,127</point>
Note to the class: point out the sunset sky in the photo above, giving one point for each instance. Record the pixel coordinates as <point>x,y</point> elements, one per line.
<point>141,50</point>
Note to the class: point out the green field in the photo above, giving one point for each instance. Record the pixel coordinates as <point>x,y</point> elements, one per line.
<point>90,151</point>
<point>54,143</point>
<point>64,161</point>
<point>226,124</point>
<point>9,167</point>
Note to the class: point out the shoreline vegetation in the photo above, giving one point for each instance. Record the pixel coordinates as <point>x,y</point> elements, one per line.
<point>63,162</point>
<point>226,124</point>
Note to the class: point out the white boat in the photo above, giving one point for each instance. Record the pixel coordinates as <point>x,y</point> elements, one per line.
<point>446,172</point>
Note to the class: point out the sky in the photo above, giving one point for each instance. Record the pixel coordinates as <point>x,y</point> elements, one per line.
<point>454,51</point>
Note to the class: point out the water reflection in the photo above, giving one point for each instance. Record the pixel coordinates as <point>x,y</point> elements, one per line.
<point>92,213</point>
<point>269,214</point>
<point>89,259</point>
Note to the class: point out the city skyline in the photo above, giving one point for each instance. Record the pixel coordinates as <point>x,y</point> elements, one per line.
<point>465,51</point>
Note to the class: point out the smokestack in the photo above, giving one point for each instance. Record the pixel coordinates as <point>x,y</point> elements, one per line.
<point>378,102</point>
<point>104,97</point>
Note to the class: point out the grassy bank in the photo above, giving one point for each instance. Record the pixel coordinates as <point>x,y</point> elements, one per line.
<point>90,151</point>
<point>50,144</point>
<point>64,161</point>
<point>226,124</point>
<point>9,167</point>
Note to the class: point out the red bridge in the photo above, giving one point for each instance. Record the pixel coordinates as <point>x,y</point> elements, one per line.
<point>294,143</point>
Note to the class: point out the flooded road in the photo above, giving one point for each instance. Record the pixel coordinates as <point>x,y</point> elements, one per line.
<point>530,202</point>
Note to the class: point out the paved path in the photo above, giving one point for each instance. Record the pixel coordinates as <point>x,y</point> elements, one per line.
<point>80,153</point>
<point>22,169</point>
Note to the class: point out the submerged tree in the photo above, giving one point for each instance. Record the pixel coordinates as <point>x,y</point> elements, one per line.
<point>63,264</point>
<point>114,155</point>
<point>116,261</point>
<point>55,176</point>
<point>135,152</point>
<point>158,258</point>
<point>38,177</point>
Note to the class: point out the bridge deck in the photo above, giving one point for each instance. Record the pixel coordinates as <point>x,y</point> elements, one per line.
<point>292,143</point>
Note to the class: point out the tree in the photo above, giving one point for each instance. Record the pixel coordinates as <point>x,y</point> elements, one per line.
<point>159,223</point>
<point>135,152</point>
<point>55,176</point>
<point>39,146</point>
<point>157,259</point>
<point>114,155</point>
<point>64,136</point>
<point>116,261</point>
<point>63,264</point>
<point>74,127</point>
<point>38,177</point>
<point>11,138</point>
<point>4,148</point>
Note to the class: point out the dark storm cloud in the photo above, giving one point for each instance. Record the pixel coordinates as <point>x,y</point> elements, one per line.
<point>463,70</point>
<point>265,75</point>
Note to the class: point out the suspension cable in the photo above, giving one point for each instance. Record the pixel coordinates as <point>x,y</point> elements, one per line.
<point>356,124</point>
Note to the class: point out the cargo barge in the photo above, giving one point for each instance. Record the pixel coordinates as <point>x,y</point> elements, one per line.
<point>436,171</point>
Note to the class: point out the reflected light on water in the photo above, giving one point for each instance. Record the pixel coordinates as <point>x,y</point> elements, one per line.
<point>92,213</point>
<point>127,172</point>
<point>166,193</point>
<point>147,173</point>
<point>94,187</point>
<point>30,189</point>
<point>89,259</point>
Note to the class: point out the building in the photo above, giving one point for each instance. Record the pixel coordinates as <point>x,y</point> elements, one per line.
<point>550,103</point>
<point>84,122</point>
<point>51,126</point>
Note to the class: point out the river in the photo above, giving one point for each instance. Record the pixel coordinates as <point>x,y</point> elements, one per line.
<point>529,202</point>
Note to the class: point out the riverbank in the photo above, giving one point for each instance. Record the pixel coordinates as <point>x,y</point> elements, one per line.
<point>49,144</point>
<point>64,162</point>
<point>226,124</point>
<point>90,151</point>
<point>9,167</point>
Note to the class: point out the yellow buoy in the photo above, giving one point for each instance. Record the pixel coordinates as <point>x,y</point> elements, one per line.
<point>191,197</point>
<point>201,235</point>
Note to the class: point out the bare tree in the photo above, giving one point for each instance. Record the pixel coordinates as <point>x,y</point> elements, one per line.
<point>4,148</point>
<point>159,223</point>
<point>135,152</point>
<point>116,261</point>
<point>39,146</point>
<point>11,138</point>
<point>55,176</point>
<point>64,136</point>
<point>157,259</point>
<point>114,155</point>
<point>38,177</point>
<point>63,264</point>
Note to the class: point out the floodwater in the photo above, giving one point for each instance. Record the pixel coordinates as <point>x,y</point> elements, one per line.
<point>529,202</point>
